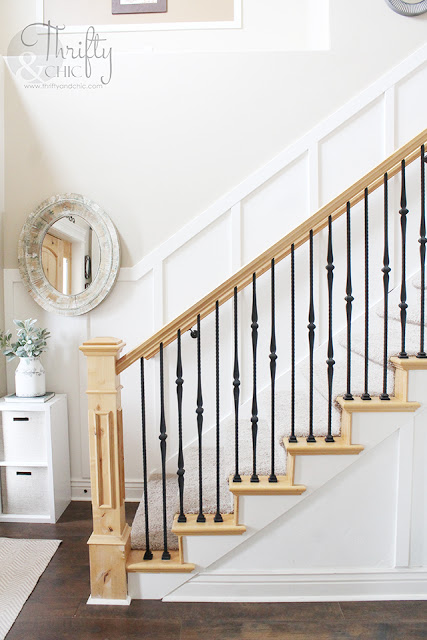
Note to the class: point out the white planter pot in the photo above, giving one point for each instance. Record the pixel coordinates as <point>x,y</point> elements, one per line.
<point>30,378</point>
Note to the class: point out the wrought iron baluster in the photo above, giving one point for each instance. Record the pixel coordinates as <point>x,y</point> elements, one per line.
<point>330,361</point>
<point>365,394</point>
<point>179,393</point>
<point>148,554</point>
<point>403,224</point>
<point>218,516</point>
<point>162,438</point>
<point>292,437</point>
<point>236,390</point>
<point>199,412</point>
<point>421,353</point>
<point>273,360</point>
<point>254,418</point>
<point>386,280</point>
<point>349,302</point>
<point>311,336</point>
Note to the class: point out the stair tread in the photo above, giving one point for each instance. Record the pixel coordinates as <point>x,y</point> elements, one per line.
<point>320,447</point>
<point>411,363</point>
<point>208,528</point>
<point>377,405</point>
<point>136,563</point>
<point>283,486</point>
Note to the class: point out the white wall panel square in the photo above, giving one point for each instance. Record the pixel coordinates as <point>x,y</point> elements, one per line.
<point>351,150</point>
<point>411,98</point>
<point>275,208</point>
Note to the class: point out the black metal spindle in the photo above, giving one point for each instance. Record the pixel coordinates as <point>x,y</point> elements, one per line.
<point>311,335</point>
<point>330,361</point>
<point>254,417</point>
<point>179,393</point>
<point>403,223</point>
<point>292,437</point>
<point>273,360</point>
<point>148,553</point>
<point>218,516</point>
<point>386,281</point>
<point>421,353</point>
<point>365,394</point>
<point>349,302</point>
<point>199,412</point>
<point>162,438</point>
<point>236,390</point>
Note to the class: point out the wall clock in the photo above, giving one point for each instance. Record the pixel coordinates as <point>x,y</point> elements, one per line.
<point>408,8</point>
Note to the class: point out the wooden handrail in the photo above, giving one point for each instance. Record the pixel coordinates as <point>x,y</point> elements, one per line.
<point>242,278</point>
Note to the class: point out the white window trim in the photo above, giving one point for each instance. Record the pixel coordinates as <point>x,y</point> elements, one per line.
<point>236,23</point>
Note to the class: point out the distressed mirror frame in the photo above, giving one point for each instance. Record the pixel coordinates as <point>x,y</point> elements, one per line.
<point>30,254</point>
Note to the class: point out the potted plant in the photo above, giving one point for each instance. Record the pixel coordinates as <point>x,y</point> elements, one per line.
<point>30,379</point>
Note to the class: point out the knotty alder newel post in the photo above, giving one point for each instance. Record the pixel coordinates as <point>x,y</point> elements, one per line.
<point>109,543</point>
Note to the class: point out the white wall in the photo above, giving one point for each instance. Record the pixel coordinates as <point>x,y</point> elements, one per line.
<point>185,127</point>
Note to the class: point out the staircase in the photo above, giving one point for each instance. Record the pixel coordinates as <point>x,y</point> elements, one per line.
<point>237,482</point>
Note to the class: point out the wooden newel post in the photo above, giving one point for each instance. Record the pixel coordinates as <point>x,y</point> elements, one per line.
<point>109,544</point>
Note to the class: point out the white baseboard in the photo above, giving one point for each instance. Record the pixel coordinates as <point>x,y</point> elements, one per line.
<point>387,584</point>
<point>102,601</point>
<point>81,491</point>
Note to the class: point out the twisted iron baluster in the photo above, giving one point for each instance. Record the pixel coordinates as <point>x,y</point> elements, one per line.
<point>179,393</point>
<point>292,437</point>
<point>386,280</point>
<point>162,437</point>
<point>349,302</point>
<point>218,516</point>
<point>199,412</point>
<point>403,223</point>
<point>366,395</point>
<point>236,390</point>
<point>148,554</point>
<point>330,361</point>
<point>254,418</point>
<point>311,328</point>
<point>421,353</point>
<point>273,359</point>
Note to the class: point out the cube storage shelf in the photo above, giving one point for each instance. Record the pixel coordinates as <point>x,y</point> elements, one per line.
<point>34,460</point>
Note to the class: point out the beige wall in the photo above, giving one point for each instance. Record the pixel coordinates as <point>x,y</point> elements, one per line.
<point>173,132</point>
<point>99,12</point>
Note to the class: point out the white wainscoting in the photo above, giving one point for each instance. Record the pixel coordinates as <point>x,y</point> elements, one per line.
<point>229,233</point>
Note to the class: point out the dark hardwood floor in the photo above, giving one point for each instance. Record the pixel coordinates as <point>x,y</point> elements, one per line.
<point>57,610</point>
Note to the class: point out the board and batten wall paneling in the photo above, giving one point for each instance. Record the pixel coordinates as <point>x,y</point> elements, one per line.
<point>202,255</point>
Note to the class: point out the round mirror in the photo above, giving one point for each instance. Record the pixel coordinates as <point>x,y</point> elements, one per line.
<point>69,254</point>
<point>409,7</point>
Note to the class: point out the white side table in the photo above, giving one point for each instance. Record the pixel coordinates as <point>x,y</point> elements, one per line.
<point>34,460</point>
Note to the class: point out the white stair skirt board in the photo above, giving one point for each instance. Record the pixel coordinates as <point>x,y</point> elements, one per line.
<point>260,513</point>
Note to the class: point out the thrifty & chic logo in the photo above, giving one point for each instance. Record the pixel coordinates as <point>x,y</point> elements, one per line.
<point>37,56</point>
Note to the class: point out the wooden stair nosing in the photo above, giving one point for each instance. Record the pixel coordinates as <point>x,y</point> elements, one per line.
<point>283,487</point>
<point>136,564</point>
<point>340,446</point>
<point>209,528</point>
<point>377,405</point>
<point>409,364</point>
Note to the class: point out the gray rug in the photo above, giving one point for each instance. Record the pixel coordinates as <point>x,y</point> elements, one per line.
<point>22,562</point>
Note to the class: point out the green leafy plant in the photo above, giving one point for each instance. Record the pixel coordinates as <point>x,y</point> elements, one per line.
<point>30,343</point>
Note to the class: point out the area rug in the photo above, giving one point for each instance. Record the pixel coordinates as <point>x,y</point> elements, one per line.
<point>22,562</point>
